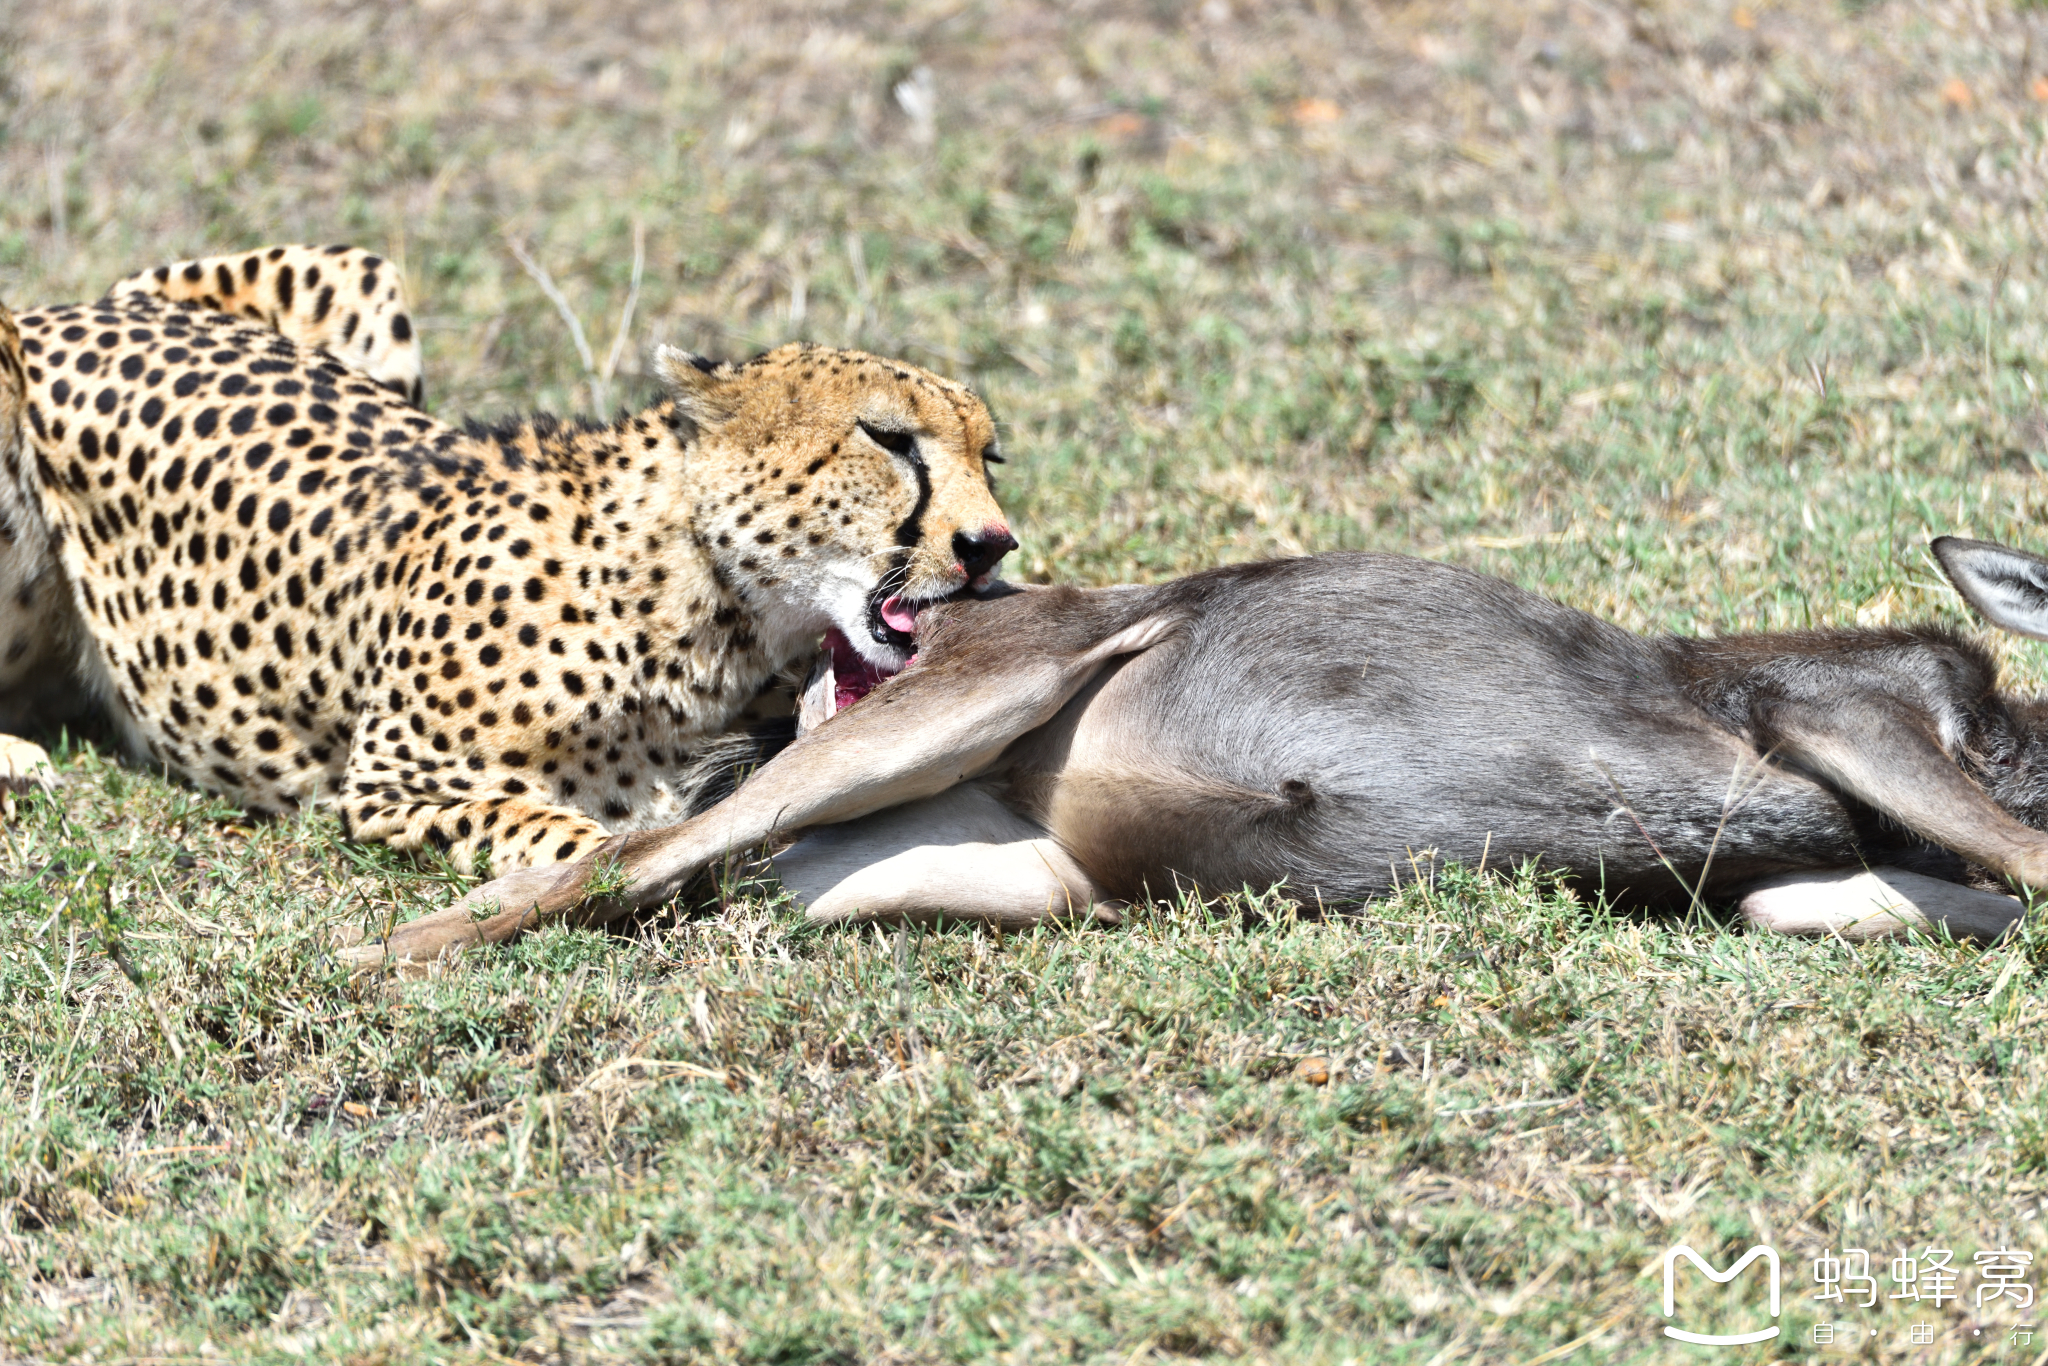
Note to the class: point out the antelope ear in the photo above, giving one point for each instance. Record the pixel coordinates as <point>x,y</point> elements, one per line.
<point>701,387</point>
<point>2009,588</point>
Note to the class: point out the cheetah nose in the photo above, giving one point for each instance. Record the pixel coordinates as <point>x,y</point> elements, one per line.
<point>979,551</point>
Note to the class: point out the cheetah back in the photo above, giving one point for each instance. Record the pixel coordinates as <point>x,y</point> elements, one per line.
<point>341,300</point>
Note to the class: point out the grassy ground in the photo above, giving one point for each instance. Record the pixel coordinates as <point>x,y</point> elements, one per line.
<point>1703,317</point>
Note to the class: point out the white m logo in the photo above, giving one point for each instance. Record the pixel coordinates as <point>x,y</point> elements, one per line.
<point>1770,1259</point>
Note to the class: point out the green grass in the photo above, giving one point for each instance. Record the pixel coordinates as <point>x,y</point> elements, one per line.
<point>1700,325</point>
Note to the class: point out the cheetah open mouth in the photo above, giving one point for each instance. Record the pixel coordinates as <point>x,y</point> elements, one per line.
<point>892,620</point>
<point>854,675</point>
<point>844,675</point>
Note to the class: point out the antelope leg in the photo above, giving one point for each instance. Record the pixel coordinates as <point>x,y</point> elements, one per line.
<point>989,675</point>
<point>1875,751</point>
<point>961,855</point>
<point>1874,903</point>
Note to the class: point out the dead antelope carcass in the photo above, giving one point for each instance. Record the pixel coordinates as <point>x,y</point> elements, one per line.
<point>1059,751</point>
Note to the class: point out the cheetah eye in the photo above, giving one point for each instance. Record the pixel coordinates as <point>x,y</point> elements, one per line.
<point>896,443</point>
<point>992,456</point>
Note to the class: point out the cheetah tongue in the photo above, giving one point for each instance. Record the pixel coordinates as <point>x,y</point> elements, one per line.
<point>898,615</point>
<point>853,676</point>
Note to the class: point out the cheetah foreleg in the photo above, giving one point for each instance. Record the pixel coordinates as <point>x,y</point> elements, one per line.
<point>502,833</point>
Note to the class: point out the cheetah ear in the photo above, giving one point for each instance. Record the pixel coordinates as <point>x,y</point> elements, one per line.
<point>702,388</point>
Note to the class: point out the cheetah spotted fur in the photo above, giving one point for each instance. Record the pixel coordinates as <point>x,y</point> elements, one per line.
<point>339,300</point>
<point>288,585</point>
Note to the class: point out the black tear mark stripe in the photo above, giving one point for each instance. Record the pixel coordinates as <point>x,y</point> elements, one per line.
<point>911,530</point>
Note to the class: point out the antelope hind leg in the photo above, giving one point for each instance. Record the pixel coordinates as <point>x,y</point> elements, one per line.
<point>961,855</point>
<point>1877,903</point>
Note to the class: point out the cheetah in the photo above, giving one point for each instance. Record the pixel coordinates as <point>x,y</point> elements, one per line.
<point>340,300</point>
<point>288,585</point>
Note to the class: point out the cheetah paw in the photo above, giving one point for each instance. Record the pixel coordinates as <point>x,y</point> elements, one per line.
<point>25,764</point>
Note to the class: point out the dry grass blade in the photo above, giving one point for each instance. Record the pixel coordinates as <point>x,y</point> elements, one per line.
<point>554,294</point>
<point>602,387</point>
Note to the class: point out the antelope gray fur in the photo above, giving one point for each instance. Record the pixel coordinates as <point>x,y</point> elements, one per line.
<point>1334,721</point>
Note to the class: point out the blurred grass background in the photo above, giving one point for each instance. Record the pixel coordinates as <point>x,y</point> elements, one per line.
<point>1552,288</point>
<point>1703,317</point>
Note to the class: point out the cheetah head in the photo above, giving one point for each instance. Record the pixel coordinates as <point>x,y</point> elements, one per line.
<point>843,492</point>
